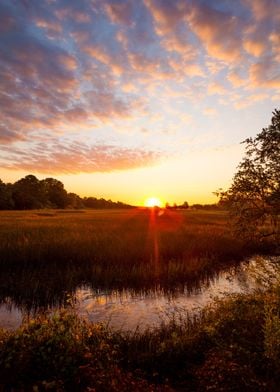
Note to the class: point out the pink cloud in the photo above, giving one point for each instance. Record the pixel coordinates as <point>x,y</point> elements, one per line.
<point>77,15</point>
<point>219,32</point>
<point>166,14</point>
<point>263,9</point>
<point>99,53</point>
<point>69,62</point>
<point>250,100</point>
<point>120,12</point>
<point>235,79</point>
<point>7,136</point>
<point>216,88</point>
<point>76,157</point>
<point>52,26</point>
<point>265,73</point>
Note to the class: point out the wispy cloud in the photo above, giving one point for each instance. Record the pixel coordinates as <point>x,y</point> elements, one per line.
<point>76,157</point>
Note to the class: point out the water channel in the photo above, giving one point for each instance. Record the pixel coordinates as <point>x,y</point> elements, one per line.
<point>127,309</point>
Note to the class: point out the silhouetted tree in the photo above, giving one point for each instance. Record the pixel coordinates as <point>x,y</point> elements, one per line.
<point>74,201</point>
<point>28,193</point>
<point>31,193</point>
<point>93,202</point>
<point>54,193</point>
<point>254,197</point>
<point>6,199</point>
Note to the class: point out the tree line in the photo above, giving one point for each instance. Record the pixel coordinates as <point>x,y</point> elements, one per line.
<point>31,193</point>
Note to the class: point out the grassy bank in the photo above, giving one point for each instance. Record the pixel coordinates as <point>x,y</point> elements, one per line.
<point>233,345</point>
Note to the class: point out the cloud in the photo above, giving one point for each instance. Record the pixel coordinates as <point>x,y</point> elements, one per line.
<point>53,27</point>
<point>250,100</point>
<point>165,13</point>
<point>265,73</point>
<point>210,111</point>
<point>264,9</point>
<point>48,85</point>
<point>120,12</point>
<point>255,48</point>
<point>92,68</point>
<point>219,31</point>
<point>235,79</point>
<point>7,136</point>
<point>76,157</point>
<point>114,62</point>
<point>216,88</point>
<point>106,105</point>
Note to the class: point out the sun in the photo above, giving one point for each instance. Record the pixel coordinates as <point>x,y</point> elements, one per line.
<point>153,202</point>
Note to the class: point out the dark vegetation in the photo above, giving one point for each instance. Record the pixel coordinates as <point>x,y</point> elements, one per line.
<point>30,193</point>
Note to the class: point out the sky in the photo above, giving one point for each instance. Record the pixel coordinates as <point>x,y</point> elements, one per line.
<point>132,99</point>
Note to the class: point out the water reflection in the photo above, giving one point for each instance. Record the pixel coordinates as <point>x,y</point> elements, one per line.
<point>118,303</point>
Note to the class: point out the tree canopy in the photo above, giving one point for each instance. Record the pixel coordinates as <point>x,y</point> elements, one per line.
<point>30,193</point>
<point>254,196</point>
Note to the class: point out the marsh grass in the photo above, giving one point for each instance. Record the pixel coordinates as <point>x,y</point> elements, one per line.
<point>46,255</point>
<point>122,238</point>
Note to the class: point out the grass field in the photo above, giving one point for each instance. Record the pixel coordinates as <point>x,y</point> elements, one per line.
<point>111,239</point>
<point>47,254</point>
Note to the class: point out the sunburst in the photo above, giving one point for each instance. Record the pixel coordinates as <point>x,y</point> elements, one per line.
<point>153,202</point>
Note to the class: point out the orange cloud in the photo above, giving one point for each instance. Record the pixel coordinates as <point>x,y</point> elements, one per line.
<point>219,32</point>
<point>69,62</point>
<point>120,12</point>
<point>52,26</point>
<point>115,63</point>
<point>265,73</point>
<point>7,136</point>
<point>250,100</point>
<point>253,47</point>
<point>235,79</point>
<point>165,14</point>
<point>216,88</point>
<point>74,157</point>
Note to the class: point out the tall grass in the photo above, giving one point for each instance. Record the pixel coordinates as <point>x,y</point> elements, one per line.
<point>105,238</point>
<point>45,255</point>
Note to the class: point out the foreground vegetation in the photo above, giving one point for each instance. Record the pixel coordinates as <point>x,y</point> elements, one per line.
<point>232,345</point>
